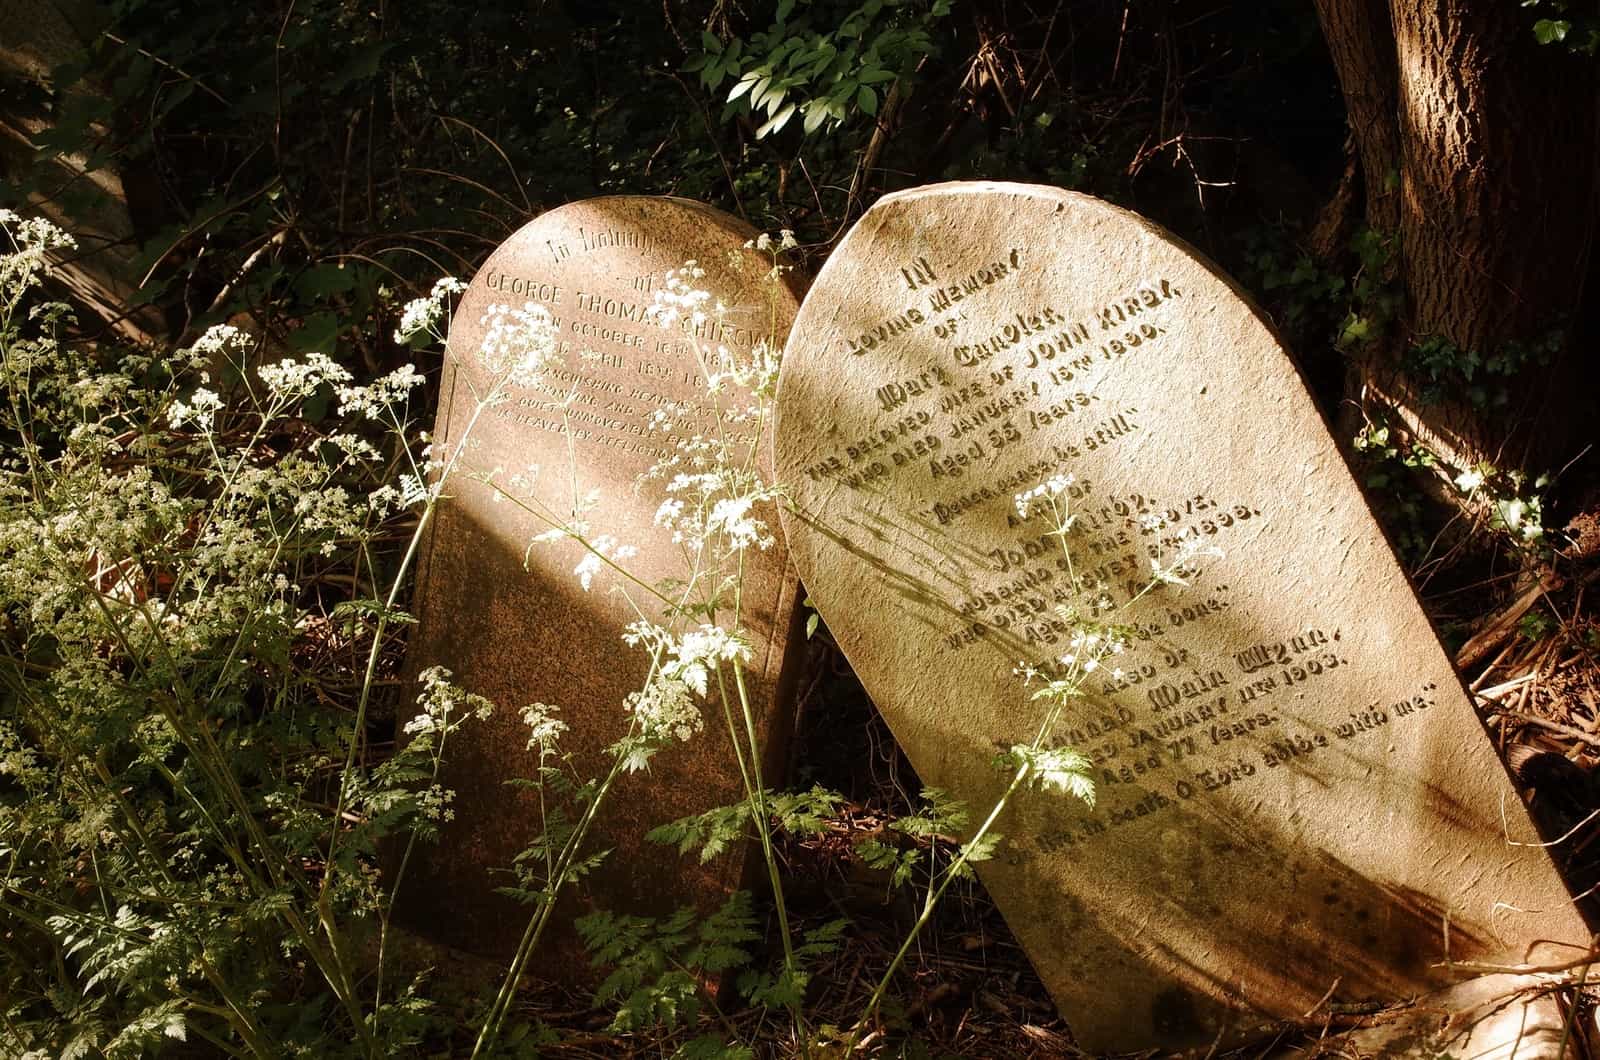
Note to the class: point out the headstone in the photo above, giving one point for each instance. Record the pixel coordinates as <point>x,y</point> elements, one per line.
<point>1295,798</point>
<point>520,636</point>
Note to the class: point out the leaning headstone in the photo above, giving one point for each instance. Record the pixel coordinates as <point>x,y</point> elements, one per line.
<point>511,618</point>
<point>1296,802</point>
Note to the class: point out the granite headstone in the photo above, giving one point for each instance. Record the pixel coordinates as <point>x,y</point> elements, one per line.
<point>511,619</point>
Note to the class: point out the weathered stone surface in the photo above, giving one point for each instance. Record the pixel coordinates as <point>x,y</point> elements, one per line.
<point>523,636</point>
<point>1294,792</point>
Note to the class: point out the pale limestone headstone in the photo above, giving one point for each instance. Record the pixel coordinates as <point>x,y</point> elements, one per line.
<point>1295,796</point>
<point>520,636</point>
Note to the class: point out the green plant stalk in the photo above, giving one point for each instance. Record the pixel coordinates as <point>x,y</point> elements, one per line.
<point>490,1031</point>
<point>358,725</point>
<point>930,903</point>
<point>200,743</point>
<point>758,796</point>
<point>144,850</point>
<point>385,909</point>
<point>1060,515</point>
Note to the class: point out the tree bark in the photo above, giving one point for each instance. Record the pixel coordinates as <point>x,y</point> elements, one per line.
<point>1361,44</point>
<point>1477,147</point>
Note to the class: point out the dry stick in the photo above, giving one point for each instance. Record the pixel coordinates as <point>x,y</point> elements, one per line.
<point>711,134</point>
<point>201,85</point>
<point>486,138</point>
<point>1487,670</point>
<point>458,178</point>
<point>1572,1013</point>
<point>1553,726</point>
<point>199,225</point>
<point>875,146</point>
<point>1498,629</point>
<point>1586,961</point>
<point>275,240</point>
<point>1503,687</point>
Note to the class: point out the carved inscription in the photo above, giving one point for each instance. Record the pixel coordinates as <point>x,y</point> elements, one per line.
<point>512,617</point>
<point>619,361</point>
<point>1274,728</point>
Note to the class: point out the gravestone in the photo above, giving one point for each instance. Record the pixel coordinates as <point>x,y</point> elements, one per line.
<point>1296,802</point>
<point>520,636</point>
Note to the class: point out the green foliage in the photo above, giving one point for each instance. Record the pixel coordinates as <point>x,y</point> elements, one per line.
<point>1537,625</point>
<point>1376,300</point>
<point>1500,500</point>
<point>1576,31</point>
<point>1059,769</point>
<point>787,988</point>
<point>1483,380</point>
<point>1306,296</point>
<point>941,817</point>
<point>712,1047</point>
<point>712,832</point>
<point>1387,461</point>
<point>823,64</point>
<point>658,965</point>
<point>188,832</point>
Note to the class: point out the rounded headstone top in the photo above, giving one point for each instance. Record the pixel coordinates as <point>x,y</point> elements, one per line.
<point>1293,791</point>
<point>518,622</point>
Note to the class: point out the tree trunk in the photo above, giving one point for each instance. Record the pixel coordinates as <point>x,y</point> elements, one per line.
<point>1477,148</point>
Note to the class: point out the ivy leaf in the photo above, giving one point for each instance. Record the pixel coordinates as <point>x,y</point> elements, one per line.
<point>1551,30</point>
<point>363,64</point>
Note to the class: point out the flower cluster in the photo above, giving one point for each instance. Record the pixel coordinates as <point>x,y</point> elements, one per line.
<point>519,345</point>
<point>1185,563</point>
<point>221,342</point>
<point>422,315</point>
<point>692,657</point>
<point>765,243</point>
<point>665,709</point>
<point>201,409</point>
<point>700,651</point>
<point>1045,495</point>
<point>544,728</point>
<point>31,239</point>
<point>718,510</point>
<point>1088,647</point>
<point>603,548</point>
<point>378,397</point>
<point>290,380</point>
<point>678,302</point>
